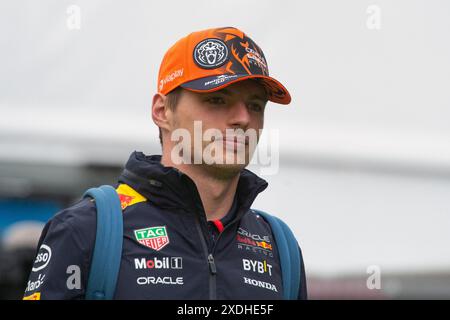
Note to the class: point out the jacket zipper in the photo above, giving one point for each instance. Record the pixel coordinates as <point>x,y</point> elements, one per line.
<point>211,263</point>
<point>210,257</point>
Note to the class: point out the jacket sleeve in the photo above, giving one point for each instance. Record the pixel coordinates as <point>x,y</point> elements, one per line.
<point>62,262</point>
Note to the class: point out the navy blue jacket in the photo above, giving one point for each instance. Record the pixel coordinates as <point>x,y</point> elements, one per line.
<point>170,250</point>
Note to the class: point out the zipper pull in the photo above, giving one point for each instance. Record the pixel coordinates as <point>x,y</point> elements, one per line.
<point>212,265</point>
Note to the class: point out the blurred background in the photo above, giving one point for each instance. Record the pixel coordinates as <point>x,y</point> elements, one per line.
<point>364,150</point>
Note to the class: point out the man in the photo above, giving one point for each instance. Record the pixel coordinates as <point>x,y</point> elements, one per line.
<point>189,232</point>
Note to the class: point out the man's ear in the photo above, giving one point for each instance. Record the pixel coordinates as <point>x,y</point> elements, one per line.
<point>160,111</point>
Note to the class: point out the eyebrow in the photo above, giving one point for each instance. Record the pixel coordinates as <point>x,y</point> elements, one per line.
<point>227,92</point>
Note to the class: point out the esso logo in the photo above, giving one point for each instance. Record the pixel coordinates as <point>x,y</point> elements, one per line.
<point>43,258</point>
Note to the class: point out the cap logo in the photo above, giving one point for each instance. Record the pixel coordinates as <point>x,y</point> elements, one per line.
<point>210,53</point>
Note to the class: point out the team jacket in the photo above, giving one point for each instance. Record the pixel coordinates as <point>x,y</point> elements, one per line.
<point>170,250</point>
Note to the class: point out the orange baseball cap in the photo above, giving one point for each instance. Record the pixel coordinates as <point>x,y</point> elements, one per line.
<point>211,59</point>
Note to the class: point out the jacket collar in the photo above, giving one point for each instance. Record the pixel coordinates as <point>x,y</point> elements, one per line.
<point>170,188</point>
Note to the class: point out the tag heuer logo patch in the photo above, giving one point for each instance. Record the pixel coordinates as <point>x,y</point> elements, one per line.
<point>154,237</point>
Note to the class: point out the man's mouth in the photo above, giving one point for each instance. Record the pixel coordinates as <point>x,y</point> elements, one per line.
<point>236,140</point>
<point>233,140</point>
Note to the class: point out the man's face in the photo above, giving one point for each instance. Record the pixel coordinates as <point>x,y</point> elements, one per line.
<point>239,106</point>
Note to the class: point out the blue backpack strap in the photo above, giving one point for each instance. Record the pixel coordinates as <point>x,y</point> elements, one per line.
<point>107,254</point>
<point>289,255</point>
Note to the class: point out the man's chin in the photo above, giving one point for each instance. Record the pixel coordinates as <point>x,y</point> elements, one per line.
<point>224,170</point>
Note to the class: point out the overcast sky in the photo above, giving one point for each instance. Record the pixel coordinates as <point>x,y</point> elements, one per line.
<point>344,77</point>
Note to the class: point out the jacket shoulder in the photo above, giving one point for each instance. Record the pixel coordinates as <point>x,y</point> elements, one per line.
<point>65,246</point>
<point>80,215</point>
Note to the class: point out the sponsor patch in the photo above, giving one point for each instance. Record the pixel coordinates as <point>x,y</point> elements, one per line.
<point>257,266</point>
<point>210,53</point>
<point>253,236</point>
<point>34,285</point>
<point>254,242</point>
<point>219,80</point>
<point>264,245</point>
<point>261,284</point>
<point>42,258</point>
<point>155,238</point>
<point>155,263</point>
<point>160,280</point>
<point>256,58</point>
<point>128,196</point>
<point>170,77</point>
<point>34,296</point>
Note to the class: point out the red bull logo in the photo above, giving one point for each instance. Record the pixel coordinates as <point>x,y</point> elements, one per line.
<point>264,245</point>
<point>128,196</point>
<point>125,200</point>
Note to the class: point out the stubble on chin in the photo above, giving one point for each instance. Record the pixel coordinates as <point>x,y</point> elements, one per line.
<point>223,171</point>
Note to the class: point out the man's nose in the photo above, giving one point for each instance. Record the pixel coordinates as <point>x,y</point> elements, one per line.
<point>239,115</point>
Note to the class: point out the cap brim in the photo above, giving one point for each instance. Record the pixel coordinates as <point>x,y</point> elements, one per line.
<point>276,91</point>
